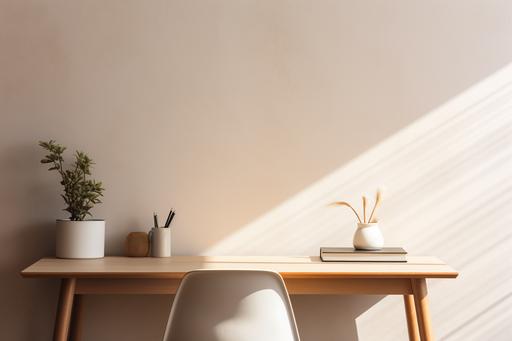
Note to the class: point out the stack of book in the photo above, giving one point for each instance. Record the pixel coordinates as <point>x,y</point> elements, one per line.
<point>348,254</point>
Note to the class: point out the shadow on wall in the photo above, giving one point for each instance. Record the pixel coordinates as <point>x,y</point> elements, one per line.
<point>24,227</point>
<point>448,180</point>
<point>332,316</point>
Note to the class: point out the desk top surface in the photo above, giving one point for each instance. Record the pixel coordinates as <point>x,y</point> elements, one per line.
<point>288,267</point>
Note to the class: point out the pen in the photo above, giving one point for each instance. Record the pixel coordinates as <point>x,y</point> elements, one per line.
<point>172,217</point>
<point>155,219</point>
<point>168,221</point>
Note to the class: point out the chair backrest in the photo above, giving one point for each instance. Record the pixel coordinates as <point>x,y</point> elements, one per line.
<point>231,305</point>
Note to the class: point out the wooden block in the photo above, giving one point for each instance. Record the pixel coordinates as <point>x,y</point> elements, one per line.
<point>137,244</point>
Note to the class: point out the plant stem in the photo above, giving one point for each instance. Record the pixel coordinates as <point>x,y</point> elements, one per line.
<point>364,208</point>
<point>343,203</point>
<point>378,200</point>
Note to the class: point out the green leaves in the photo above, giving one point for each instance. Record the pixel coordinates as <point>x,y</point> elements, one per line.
<point>83,163</point>
<point>55,155</point>
<point>80,193</point>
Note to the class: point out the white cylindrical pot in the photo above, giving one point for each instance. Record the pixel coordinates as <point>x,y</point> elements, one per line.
<point>368,237</point>
<point>80,239</point>
<point>160,242</point>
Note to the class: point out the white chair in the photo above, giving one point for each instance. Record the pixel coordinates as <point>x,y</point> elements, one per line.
<point>231,305</point>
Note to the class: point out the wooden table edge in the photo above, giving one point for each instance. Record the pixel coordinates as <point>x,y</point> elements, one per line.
<point>179,275</point>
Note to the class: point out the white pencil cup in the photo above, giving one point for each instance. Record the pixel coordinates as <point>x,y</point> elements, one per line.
<point>160,242</point>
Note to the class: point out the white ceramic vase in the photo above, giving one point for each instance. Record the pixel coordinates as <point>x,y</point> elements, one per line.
<point>160,238</point>
<point>368,237</point>
<point>80,239</point>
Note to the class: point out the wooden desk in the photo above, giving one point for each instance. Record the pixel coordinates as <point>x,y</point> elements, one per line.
<point>302,275</point>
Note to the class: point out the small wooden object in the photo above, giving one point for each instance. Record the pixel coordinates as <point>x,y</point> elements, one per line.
<point>137,244</point>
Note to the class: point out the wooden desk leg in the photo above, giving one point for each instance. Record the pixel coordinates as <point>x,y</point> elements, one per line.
<point>419,288</point>
<point>412,322</point>
<point>76,318</point>
<point>67,291</point>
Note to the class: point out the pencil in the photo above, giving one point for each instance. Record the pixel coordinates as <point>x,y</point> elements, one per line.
<point>172,217</point>
<point>168,221</point>
<point>155,219</point>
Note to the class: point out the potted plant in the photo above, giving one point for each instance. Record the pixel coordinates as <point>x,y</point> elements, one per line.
<point>77,237</point>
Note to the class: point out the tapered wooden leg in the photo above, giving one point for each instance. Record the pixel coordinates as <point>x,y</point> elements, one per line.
<point>412,322</point>
<point>419,288</point>
<point>67,291</point>
<point>76,318</point>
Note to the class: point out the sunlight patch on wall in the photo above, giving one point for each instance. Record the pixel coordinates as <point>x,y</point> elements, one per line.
<point>449,188</point>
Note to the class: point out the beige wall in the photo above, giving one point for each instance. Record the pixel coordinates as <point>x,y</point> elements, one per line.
<point>250,116</point>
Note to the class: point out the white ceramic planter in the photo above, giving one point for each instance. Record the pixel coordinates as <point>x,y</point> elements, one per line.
<point>368,237</point>
<point>160,242</point>
<point>80,239</point>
